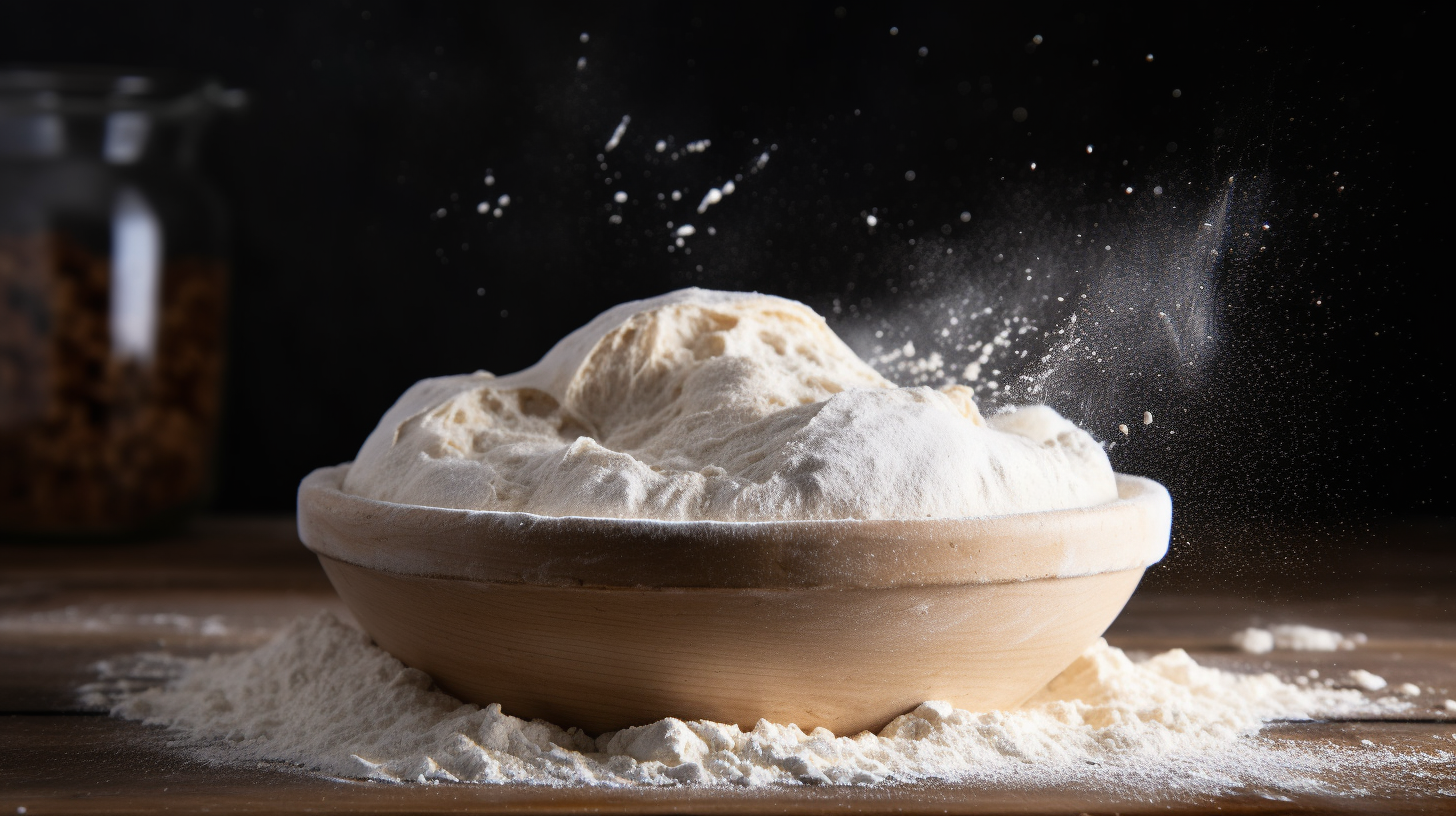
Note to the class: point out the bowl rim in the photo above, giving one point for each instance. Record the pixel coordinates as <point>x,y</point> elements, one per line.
<point>1130,532</point>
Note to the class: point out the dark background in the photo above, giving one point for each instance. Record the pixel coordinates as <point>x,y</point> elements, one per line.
<point>361,264</point>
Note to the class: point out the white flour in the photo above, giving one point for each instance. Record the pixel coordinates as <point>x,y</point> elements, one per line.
<point>321,696</point>
<point>1295,637</point>
<point>723,406</point>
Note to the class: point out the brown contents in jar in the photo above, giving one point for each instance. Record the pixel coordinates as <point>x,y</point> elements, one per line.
<point>92,439</point>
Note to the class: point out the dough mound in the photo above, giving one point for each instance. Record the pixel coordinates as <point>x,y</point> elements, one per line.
<point>722,406</point>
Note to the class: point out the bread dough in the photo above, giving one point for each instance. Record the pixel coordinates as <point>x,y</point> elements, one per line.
<point>704,405</point>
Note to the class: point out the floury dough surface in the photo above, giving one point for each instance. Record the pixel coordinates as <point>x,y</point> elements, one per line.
<point>702,405</point>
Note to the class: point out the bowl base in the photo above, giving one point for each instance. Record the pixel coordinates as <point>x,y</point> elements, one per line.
<point>848,660</point>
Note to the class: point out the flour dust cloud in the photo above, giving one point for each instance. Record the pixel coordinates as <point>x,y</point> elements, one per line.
<point>1105,319</point>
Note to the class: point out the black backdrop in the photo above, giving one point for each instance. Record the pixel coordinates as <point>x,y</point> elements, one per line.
<point>362,264</point>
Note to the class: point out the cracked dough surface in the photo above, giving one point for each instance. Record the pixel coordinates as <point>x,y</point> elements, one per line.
<point>703,405</point>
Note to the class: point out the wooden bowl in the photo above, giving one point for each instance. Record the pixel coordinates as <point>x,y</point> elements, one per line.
<point>608,623</point>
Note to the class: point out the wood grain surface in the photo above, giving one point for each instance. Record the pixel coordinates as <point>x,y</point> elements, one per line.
<point>230,583</point>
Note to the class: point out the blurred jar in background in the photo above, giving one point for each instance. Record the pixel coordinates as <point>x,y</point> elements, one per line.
<point>112,292</point>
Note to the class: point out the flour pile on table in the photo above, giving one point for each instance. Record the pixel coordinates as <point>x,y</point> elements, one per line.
<point>1295,637</point>
<point>320,695</point>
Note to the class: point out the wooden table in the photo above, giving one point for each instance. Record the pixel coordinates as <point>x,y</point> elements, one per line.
<point>229,584</point>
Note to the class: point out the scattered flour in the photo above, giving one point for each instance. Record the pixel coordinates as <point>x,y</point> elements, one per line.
<point>1294,637</point>
<point>321,696</point>
<point>1367,680</point>
<point>72,620</point>
<point>1254,640</point>
<point>723,406</point>
<point>618,133</point>
<point>713,196</point>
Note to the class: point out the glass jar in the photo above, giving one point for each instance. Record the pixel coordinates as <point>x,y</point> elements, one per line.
<point>112,292</point>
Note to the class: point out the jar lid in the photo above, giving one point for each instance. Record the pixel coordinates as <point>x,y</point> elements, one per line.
<point>99,90</point>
